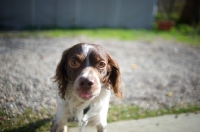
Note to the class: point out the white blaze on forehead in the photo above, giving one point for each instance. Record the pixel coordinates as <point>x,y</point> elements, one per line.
<point>86,48</point>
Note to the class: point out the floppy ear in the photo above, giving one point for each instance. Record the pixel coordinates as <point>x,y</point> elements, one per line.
<point>61,75</point>
<point>114,76</point>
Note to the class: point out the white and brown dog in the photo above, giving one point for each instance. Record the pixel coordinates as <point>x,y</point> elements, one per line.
<point>85,76</point>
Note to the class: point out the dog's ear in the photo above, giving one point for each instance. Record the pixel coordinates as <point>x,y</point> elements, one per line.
<point>61,75</point>
<point>114,76</point>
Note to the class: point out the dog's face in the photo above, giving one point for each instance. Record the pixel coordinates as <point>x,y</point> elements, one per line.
<point>88,67</point>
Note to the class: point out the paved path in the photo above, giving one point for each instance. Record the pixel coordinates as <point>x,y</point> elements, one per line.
<point>168,123</point>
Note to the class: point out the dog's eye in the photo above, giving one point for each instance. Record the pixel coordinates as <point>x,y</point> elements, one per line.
<point>74,63</point>
<point>101,64</point>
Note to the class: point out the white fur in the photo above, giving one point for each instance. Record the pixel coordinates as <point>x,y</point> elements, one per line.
<point>86,48</point>
<point>73,107</point>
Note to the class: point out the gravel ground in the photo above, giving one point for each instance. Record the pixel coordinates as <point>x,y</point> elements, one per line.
<point>154,75</point>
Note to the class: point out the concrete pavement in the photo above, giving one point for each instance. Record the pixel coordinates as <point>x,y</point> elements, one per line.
<point>189,122</point>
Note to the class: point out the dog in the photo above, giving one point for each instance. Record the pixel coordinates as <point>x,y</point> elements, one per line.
<point>86,76</point>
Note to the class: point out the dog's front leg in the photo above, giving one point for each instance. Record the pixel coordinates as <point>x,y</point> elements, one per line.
<point>101,128</point>
<point>58,127</point>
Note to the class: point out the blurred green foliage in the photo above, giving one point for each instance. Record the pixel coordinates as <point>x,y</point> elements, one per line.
<point>179,33</point>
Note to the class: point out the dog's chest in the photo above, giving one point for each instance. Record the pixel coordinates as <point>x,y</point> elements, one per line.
<point>75,118</point>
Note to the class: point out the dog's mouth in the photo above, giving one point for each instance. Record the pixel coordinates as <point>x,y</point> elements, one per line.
<point>85,95</point>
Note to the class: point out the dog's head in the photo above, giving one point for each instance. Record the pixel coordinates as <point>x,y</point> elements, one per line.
<point>87,67</point>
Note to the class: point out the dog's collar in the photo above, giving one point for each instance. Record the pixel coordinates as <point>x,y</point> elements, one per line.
<point>84,121</point>
<point>86,110</point>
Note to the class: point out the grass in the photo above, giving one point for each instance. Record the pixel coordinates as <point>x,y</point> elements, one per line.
<point>181,33</point>
<point>33,122</point>
<point>28,121</point>
<point>127,112</point>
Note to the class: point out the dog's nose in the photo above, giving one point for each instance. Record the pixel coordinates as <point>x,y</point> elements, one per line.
<point>85,82</point>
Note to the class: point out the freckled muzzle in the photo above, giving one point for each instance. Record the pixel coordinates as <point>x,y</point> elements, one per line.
<point>87,85</point>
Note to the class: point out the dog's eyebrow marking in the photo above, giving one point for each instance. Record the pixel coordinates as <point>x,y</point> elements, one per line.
<point>86,50</point>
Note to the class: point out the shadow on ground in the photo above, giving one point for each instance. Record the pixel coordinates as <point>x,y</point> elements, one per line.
<point>31,127</point>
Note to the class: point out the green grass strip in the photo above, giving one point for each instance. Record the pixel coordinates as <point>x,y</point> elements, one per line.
<point>41,121</point>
